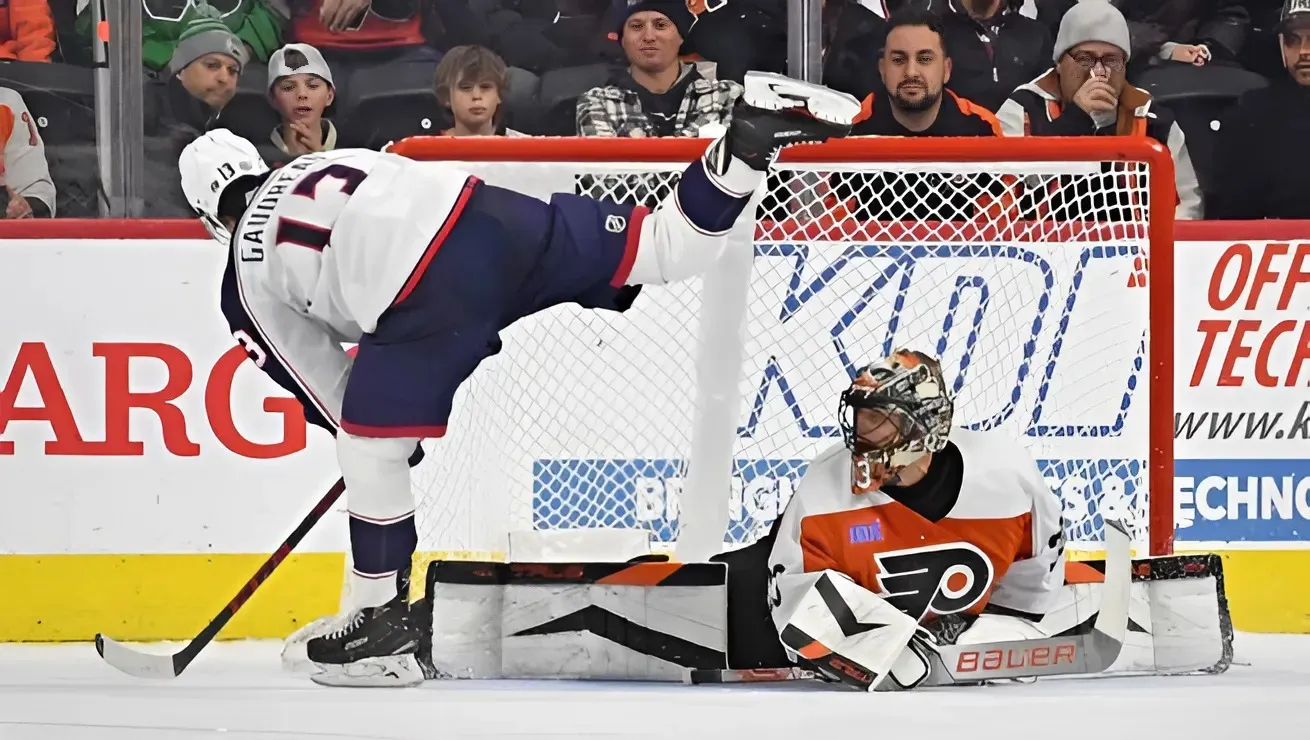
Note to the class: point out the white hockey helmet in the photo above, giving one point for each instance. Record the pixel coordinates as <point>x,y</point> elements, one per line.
<point>208,165</point>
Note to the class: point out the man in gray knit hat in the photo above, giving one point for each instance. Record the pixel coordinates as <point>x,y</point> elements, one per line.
<point>208,57</point>
<point>1086,94</point>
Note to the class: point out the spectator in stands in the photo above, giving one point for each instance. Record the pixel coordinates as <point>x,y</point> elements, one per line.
<point>472,83</point>
<point>163,22</point>
<point>994,48</point>
<point>27,31</point>
<point>383,35</point>
<point>1190,31</point>
<point>656,94</point>
<point>852,36</point>
<point>915,67</point>
<point>28,190</point>
<point>381,63</point>
<point>1085,94</point>
<point>1262,152</point>
<point>752,34</point>
<point>300,87</point>
<point>207,60</point>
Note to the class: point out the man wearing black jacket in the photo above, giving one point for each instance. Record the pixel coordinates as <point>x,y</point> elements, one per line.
<point>916,68</point>
<point>993,47</point>
<point>1262,152</point>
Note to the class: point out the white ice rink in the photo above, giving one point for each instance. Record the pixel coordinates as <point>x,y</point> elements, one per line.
<point>235,691</point>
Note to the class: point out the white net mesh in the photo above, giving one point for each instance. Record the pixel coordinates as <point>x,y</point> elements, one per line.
<point>1027,280</point>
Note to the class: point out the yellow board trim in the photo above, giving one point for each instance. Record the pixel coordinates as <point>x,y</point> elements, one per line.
<point>69,598</point>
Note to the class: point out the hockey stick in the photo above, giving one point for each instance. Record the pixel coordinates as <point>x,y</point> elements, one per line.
<point>1082,654</point>
<point>145,665</point>
<point>698,676</point>
<point>1091,652</point>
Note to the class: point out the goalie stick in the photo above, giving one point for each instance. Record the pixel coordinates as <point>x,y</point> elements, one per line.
<point>1090,652</point>
<point>952,665</point>
<point>146,665</point>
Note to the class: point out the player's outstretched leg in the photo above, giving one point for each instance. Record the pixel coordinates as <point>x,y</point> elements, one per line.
<point>688,231</point>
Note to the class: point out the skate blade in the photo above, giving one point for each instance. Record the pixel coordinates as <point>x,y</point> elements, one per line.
<point>394,671</point>
<point>771,91</point>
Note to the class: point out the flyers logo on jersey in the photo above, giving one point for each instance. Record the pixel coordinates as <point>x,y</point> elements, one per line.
<point>937,579</point>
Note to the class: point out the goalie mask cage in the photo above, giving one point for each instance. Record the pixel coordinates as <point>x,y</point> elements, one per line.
<point>1021,262</point>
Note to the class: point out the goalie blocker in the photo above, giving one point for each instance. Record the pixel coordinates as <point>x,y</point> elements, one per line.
<point>661,621</point>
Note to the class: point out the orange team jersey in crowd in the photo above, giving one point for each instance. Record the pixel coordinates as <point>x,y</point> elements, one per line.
<point>27,30</point>
<point>23,166</point>
<point>1000,542</point>
<point>374,33</point>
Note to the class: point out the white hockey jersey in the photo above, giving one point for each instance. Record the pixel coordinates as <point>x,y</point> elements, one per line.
<point>1000,542</point>
<point>326,245</point>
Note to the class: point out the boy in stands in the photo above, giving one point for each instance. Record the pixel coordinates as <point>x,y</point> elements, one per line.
<point>472,82</point>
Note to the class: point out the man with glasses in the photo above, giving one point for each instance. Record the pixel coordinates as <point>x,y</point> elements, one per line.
<point>1085,94</point>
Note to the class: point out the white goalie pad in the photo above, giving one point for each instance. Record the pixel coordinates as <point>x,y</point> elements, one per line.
<point>1178,619</point>
<point>624,621</point>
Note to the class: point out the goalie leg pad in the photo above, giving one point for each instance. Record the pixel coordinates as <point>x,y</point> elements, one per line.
<point>1178,618</point>
<point>646,621</point>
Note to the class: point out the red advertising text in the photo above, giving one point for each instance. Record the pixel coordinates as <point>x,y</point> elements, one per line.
<point>33,361</point>
<point>1259,289</point>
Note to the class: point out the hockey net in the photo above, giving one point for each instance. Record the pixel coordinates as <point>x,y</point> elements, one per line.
<point>1021,263</point>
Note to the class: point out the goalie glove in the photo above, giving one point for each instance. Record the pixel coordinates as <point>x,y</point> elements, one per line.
<point>913,666</point>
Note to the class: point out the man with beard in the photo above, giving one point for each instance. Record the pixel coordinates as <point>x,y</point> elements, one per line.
<point>915,67</point>
<point>1262,155</point>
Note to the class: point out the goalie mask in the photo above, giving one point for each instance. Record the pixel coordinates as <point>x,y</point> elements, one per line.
<point>895,412</point>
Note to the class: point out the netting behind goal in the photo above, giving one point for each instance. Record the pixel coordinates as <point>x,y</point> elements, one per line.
<point>1021,263</point>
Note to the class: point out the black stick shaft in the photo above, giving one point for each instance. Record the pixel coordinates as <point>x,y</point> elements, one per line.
<point>184,657</point>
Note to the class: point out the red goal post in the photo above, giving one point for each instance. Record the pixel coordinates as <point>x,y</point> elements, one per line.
<point>1064,304</point>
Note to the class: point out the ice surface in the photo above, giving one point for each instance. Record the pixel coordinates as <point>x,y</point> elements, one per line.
<point>235,691</point>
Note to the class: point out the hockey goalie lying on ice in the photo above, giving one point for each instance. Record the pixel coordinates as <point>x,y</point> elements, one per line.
<point>913,553</point>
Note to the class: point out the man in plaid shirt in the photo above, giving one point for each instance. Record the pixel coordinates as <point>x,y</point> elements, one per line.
<point>657,94</point>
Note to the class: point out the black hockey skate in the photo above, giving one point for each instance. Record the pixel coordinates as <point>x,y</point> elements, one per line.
<point>375,646</point>
<point>777,111</point>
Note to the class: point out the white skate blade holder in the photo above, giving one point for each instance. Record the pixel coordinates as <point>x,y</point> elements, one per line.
<point>771,91</point>
<point>393,671</point>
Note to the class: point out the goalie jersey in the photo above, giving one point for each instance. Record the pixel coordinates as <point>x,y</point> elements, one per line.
<point>981,529</point>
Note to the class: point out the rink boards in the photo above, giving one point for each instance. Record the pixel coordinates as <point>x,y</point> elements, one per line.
<point>141,525</point>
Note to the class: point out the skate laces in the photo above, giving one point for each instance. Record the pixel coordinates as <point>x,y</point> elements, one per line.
<point>349,623</point>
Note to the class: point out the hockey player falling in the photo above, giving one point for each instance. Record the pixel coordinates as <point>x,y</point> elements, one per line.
<point>423,265</point>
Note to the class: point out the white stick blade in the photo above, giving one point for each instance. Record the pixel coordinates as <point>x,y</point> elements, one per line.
<point>133,663</point>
